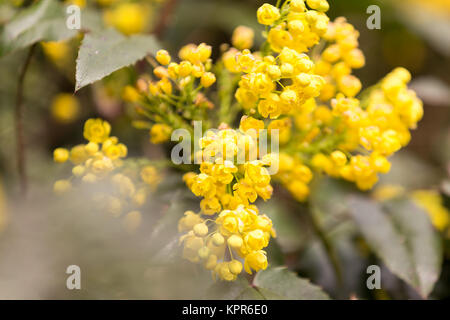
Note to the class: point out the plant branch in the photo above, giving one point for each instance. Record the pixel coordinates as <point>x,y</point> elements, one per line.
<point>329,248</point>
<point>20,137</point>
<point>167,11</point>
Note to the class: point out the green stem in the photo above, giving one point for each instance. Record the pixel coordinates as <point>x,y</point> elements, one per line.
<point>328,246</point>
<point>20,136</point>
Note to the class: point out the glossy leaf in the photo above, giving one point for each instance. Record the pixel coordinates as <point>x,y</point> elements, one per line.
<point>102,53</point>
<point>401,234</point>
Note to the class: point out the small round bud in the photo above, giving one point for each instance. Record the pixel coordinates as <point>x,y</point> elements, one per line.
<point>242,37</point>
<point>235,267</point>
<point>184,69</point>
<point>297,5</point>
<point>218,239</point>
<point>60,155</point>
<point>78,171</point>
<point>203,253</point>
<point>208,79</point>
<point>200,229</point>
<point>163,57</point>
<point>61,186</point>
<point>235,241</point>
<point>91,148</point>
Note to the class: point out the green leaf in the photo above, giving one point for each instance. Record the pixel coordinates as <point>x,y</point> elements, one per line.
<point>280,283</point>
<point>103,53</point>
<point>237,290</point>
<point>43,21</point>
<point>402,236</point>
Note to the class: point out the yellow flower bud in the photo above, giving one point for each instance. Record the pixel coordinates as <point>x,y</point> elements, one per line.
<point>208,79</point>
<point>211,262</point>
<point>267,14</point>
<point>235,241</point>
<point>78,171</point>
<point>163,57</point>
<point>203,253</point>
<point>160,133</point>
<point>61,186</point>
<point>130,94</point>
<point>218,239</point>
<point>339,158</point>
<point>297,5</point>
<point>185,69</point>
<point>60,155</point>
<point>242,37</point>
<point>200,229</point>
<point>96,130</point>
<point>235,266</point>
<point>65,108</point>
<point>91,148</point>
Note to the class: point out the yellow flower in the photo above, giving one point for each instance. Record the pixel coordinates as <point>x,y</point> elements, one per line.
<point>130,94</point>
<point>191,246</point>
<point>204,186</point>
<point>57,51</point>
<point>65,108</point>
<point>228,222</point>
<point>96,130</point>
<point>242,37</point>
<point>256,239</point>
<point>78,154</point>
<point>128,18</point>
<point>267,14</point>
<point>208,79</point>
<point>61,155</point>
<point>163,57</point>
<point>210,206</point>
<point>62,186</point>
<point>150,175</point>
<point>160,133</point>
<point>256,260</point>
<point>250,123</point>
<point>189,220</point>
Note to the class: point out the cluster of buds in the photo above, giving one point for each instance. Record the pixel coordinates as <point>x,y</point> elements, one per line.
<point>101,161</point>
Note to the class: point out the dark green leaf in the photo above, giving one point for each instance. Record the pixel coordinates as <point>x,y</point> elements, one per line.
<point>237,290</point>
<point>280,283</point>
<point>403,237</point>
<point>103,53</point>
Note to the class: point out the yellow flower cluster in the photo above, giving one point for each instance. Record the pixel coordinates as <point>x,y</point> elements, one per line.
<point>343,136</point>
<point>261,84</point>
<point>228,225</point>
<point>381,128</point>
<point>101,160</point>
<point>337,60</point>
<point>178,88</point>
<point>294,26</point>
<point>300,88</point>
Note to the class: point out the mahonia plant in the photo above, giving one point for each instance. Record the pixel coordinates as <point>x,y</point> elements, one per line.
<point>102,160</point>
<point>299,87</point>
